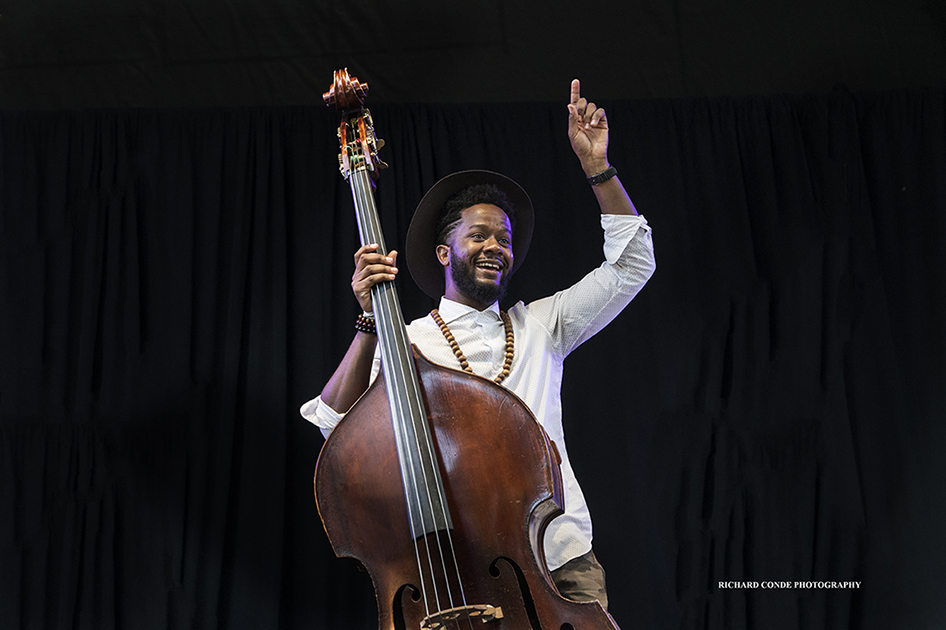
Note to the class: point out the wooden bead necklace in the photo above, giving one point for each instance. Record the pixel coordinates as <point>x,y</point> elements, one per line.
<point>510,345</point>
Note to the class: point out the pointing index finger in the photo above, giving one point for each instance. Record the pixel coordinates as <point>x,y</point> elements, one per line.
<point>576,91</point>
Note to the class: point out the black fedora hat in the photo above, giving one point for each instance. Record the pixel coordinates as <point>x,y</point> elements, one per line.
<point>421,243</point>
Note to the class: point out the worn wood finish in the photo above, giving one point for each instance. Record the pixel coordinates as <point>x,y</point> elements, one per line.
<point>502,488</point>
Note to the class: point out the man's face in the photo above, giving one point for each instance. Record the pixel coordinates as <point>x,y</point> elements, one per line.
<point>478,256</point>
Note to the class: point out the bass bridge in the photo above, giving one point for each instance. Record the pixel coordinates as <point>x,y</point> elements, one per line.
<point>480,613</point>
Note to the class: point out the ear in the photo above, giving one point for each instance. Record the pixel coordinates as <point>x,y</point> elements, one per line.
<point>443,255</point>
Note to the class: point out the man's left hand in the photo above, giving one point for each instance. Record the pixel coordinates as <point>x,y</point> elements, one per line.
<point>587,131</point>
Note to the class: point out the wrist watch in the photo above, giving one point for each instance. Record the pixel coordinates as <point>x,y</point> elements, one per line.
<point>603,176</point>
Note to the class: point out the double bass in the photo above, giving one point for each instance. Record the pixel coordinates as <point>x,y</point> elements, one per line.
<point>439,482</point>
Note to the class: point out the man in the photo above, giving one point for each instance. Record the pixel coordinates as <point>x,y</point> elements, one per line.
<point>469,234</point>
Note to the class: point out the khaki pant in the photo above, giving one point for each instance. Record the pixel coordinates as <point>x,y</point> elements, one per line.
<point>581,579</point>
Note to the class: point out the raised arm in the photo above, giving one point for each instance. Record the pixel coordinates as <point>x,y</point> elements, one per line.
<point>588,134</point>
<point>353,374</point>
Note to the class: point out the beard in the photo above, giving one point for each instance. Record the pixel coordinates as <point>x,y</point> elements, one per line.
<point>464,278</point>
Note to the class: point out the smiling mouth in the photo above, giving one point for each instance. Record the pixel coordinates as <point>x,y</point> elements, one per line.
<point>490,265</point>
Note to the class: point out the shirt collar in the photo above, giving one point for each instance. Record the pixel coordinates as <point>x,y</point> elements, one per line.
<point>451,311</point>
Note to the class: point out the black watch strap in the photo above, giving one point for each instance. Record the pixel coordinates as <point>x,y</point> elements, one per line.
<point>603,176</point>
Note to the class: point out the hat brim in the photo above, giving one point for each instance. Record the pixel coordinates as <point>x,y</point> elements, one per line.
<point>421,245</point>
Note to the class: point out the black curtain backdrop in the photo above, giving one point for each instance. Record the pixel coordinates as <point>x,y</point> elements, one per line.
<point>63,54</point>
<point>175,283</point>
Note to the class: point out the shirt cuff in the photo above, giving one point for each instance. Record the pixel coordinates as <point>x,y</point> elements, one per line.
<point>619,229</point>
<point>321,415</point>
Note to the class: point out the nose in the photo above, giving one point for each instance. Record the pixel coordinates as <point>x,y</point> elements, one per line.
<point>492,245</point>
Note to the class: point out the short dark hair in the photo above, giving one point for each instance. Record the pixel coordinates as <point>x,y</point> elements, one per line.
<point>466,198</point>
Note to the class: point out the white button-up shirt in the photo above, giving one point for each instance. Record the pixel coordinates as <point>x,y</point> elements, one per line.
<point>546,331</point>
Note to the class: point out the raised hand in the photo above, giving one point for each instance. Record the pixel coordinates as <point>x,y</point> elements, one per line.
<point>587,131</point>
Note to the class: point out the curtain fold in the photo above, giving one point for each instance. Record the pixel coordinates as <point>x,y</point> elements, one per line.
<point>175,283</point>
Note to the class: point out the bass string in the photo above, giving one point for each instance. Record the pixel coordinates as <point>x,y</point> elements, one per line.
<point>413,484</point>
<point>369,228</point>
<point>423,497</point>
<point>420,433</point>
<point>402,369</point>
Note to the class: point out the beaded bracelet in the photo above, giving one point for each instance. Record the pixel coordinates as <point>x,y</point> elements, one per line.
<point>365,323</point>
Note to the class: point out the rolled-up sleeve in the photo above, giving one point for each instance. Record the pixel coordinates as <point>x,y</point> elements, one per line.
<point>575,314</point>
<point>323,416</point>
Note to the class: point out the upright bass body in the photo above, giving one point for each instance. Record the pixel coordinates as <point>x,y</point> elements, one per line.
<point>502,487</point>
<point>441,483</point>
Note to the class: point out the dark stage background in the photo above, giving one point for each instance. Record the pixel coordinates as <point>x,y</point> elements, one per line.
<point>186,53</point>
<point>174,283</point>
